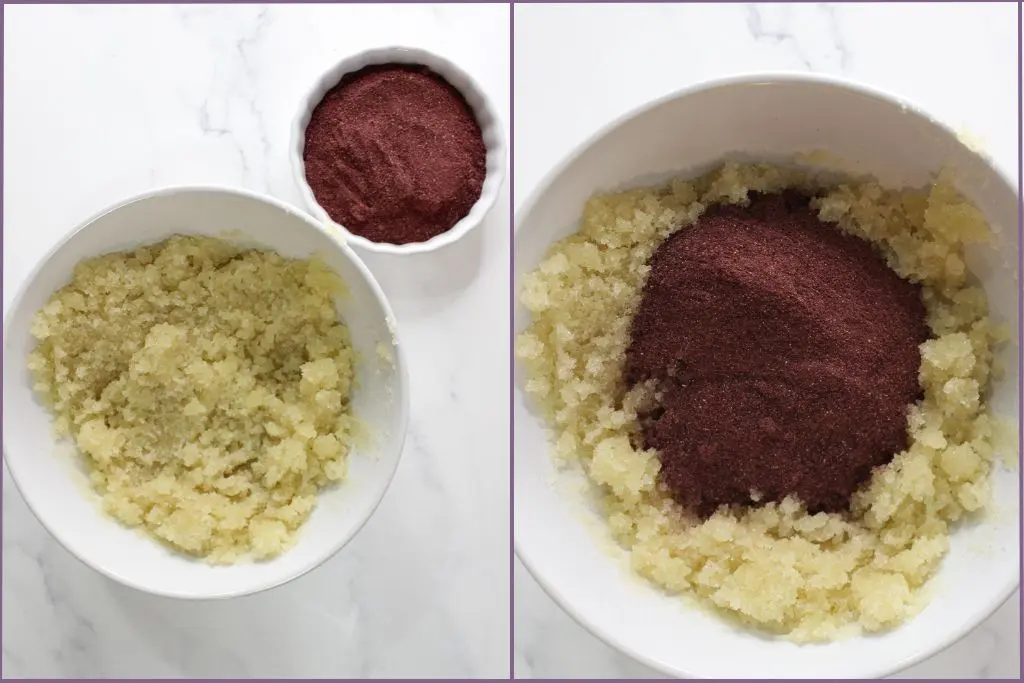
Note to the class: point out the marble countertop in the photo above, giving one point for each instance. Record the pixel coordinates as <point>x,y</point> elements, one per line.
<point>105,102</point>
<point>590,65</point>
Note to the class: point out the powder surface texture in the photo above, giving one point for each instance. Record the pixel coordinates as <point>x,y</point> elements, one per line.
<point>394,154</point>
<point>784,353</point>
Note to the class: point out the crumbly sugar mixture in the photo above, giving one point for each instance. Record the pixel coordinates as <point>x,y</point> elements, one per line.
<point>777,567</point>
<point>206,387</point>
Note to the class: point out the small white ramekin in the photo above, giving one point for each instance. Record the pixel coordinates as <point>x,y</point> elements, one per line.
<point>482,108</point>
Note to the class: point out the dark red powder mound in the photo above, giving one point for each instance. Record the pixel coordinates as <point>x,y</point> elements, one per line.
<point>786,354</point>
<point>395,154</point>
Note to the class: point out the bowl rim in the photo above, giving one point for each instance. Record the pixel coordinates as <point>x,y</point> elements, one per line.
<point>400,363</point>
<point>529,203</point>
<point>400,54</point>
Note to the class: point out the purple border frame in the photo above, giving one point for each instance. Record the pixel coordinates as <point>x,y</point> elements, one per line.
<point>510,3</point>
<point>1020,268</point>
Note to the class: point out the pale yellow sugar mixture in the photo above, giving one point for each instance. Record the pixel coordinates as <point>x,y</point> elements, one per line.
<point>778,568</point>
<point>206,387</point>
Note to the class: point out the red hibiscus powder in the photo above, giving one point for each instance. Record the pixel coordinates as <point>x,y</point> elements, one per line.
<point>784,355</point>
<point>394,154</point>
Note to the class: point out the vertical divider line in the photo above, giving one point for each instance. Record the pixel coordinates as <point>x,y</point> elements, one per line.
<point>511,333</point>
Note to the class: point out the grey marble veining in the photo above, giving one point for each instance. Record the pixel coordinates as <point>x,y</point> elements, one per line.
<point>105,102</point>
<point>589,66</point>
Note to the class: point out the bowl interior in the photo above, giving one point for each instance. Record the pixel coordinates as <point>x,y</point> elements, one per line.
<point>490,128</point>
<point>52,479</point>
<point>562,541</point>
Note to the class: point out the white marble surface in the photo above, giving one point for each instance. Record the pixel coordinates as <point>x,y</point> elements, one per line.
<point>104,102</point>
<point>577,68</point>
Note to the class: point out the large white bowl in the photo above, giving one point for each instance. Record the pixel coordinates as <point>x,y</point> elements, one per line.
<point>49,474</point>
<point>766,117</point>
<point>486,116</point>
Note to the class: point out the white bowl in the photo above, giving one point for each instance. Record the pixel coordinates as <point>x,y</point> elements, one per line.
<point>49,473</point>
<point>771,118</point>
<point>482,108</point>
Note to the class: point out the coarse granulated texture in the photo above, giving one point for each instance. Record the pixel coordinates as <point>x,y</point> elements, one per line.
<point>784,354</point>
<point>394,154</point>
<point>780,568</point>
<point>207,389</point>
